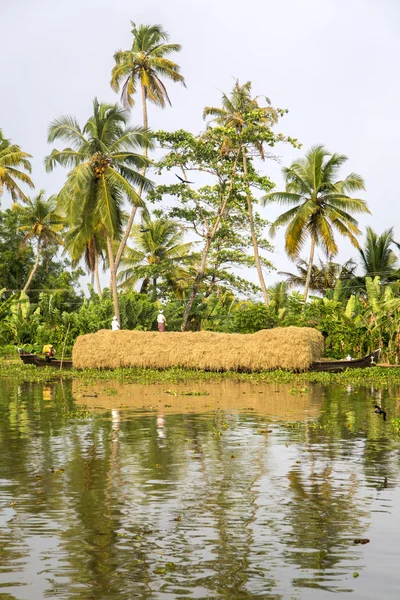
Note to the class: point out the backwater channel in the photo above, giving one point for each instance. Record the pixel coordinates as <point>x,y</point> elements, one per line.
<point>209,490</point>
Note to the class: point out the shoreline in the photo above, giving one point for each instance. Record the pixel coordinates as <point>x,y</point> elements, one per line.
<point>382,376</point>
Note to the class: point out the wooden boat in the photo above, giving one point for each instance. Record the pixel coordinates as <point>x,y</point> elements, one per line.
<point>41,361</point>
<point>336,366</point>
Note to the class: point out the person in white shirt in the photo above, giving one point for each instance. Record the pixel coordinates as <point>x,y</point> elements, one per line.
<point>115,324</point>
<point>161,320</point>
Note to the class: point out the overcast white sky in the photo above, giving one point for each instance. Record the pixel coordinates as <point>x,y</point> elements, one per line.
<point>333,63</point>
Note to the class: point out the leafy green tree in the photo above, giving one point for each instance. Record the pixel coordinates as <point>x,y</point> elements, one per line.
<point>377,256</point>
<point>144,66</point>
<point>240,111</point>
<point>41,224</point>
<point>215,153</point>
<point>105,169</point>
<point>158,252</point>
<point>12,160</point>
<point>320,204</point>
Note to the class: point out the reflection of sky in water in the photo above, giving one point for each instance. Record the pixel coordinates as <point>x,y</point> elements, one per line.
<point>237,494</point>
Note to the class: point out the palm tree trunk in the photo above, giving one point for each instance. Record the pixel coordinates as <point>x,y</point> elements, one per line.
<point>206,249</point>
<point>34,269</point>
<point>310,265</point>
<point>253,233</point>
<point>96,274</point>
<point>113,279</point>
<point>140,190</point>
<point>154,292</point>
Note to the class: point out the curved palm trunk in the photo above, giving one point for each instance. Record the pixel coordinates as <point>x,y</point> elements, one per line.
<point>206,249</point>
<point>310,265</point>
<point>113,280</point>
<point>34,269</point>
<point>253,233</point>
<point>140,190</point>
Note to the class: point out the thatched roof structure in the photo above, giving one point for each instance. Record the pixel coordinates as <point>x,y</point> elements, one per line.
<point>290,348</point>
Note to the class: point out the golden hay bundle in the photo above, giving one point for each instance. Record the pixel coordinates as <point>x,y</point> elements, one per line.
<point>291,348</point>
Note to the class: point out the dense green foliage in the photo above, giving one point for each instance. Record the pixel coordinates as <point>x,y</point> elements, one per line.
<point>200,242</point>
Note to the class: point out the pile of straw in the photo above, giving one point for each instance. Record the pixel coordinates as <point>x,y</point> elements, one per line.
<point>290,348</point>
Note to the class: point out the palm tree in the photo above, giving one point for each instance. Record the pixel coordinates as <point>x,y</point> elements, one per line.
<point>377,256</point>
<point>12,159</point>
<point>239,110</point>
<point>159,252</point>
<point>42,225</point>
<point>105,169</point>
<point>320,204</point>
<point>323,277</point>
<point>144,66</point>
<point>84,243</point>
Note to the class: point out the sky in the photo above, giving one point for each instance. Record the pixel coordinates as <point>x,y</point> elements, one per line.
<point>332,63</point>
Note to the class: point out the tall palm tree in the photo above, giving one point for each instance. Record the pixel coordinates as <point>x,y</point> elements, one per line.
<point>105,169</point>
<point>377,256</point>
<point>159,252</point>
<point>12,159</point>
<point>239,110</point>
<point>144,66</point>
<point>320,204</point>
<point>42,225</point>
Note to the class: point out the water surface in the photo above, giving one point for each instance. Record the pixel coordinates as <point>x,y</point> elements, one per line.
<point>218,490</point>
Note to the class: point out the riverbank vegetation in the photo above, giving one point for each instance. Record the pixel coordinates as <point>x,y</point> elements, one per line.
<point>171,219</point>
<point>378,377</point>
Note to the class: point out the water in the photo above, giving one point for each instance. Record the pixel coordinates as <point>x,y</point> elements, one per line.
<point>247,492</point>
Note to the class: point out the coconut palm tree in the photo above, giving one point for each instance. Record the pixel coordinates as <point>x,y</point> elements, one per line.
<point>12,159</point>
<point>105,169</point>
<point>323,277</point>
<point>159,252</point>
<point>239,110</point>
<point>320,204</point>
<point>42,225</point>
<point>144,67</point>
<point>377,256</point>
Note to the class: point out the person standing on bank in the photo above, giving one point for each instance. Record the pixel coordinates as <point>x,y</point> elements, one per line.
<point>114,324</point>
<point>161,321</point>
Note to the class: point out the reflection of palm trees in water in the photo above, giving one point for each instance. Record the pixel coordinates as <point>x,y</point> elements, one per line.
<point>325,517</point>
<point>226,498</point>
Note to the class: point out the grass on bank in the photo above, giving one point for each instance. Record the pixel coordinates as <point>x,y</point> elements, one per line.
<point>357,377</point>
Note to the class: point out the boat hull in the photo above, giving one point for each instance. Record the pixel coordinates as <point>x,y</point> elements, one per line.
<point>39,361</point>
<point>337,366</point>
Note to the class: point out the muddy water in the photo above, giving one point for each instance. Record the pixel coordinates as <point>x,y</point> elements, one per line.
<point>221,490</point>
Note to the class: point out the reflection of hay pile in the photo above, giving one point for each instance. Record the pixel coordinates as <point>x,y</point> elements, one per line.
<point>292,348</point>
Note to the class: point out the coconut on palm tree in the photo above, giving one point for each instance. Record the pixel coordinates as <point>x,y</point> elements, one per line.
<point>41,224</point>
<point>320,203</point>
<point>159,253</point>
<point>241,111</point>
<point>12,160</point>
<point>106,159</point>
<point>143,68</point>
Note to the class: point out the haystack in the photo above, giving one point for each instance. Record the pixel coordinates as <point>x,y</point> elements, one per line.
<point>290,348</point>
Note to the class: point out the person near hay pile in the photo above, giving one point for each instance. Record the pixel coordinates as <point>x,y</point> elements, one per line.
<point>114,324</point>
<point>161,321</point>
